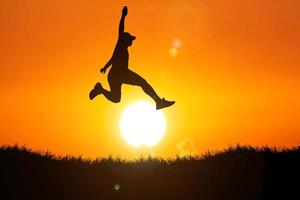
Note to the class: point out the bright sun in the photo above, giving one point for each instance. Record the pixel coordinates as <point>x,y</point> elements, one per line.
<point>142,125</point>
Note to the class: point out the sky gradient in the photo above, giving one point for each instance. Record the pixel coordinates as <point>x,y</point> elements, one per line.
<point>235,78</point>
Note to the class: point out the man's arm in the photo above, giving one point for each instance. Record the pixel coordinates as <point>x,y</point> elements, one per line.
<point>121,25</point>
<point>107,65</point>
<point>121,31</point>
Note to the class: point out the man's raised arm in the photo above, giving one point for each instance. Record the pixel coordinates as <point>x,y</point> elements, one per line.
<point>121,26</point>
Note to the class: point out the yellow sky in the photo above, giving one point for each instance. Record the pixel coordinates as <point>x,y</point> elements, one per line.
<point>235,79</point>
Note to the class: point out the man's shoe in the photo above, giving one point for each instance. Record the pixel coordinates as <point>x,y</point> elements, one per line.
<point>96,91</point>
<point>163,104</point>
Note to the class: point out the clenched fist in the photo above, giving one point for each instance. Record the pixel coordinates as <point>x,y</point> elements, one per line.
<point>124,11</point>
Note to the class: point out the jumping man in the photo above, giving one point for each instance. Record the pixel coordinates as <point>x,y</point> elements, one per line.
<point>120,74</point>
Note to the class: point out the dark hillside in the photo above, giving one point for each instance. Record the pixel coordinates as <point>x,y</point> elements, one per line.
<point>236,173</point>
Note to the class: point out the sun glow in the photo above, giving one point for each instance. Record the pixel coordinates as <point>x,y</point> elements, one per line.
<point>142,125</point>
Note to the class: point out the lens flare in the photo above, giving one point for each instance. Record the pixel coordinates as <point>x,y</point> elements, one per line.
<point>173,52</point>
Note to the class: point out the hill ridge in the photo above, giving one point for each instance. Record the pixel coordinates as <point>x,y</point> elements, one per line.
<point>240,172</point>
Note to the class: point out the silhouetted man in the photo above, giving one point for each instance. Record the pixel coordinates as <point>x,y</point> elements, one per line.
<point>119,72</point>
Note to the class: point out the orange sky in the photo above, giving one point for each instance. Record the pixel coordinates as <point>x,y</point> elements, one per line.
<point>236,78</point>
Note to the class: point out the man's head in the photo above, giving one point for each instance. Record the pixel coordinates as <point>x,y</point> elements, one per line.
<point>127,38</point>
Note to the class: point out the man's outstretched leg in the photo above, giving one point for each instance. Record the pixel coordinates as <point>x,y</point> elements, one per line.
<point>134,79</point>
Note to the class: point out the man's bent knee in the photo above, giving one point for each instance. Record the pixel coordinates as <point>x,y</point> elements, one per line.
<point>116,99</point>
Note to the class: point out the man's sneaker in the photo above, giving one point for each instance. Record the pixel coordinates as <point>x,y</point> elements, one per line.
<point>96,91</point>
<point>163,104</point>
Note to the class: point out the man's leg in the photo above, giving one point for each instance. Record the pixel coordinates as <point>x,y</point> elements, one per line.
<point>133,78</point>
<point>114,95</point>
<point>95,91</point>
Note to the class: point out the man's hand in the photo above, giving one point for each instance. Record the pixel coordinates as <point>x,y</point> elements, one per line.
<point>124,11</point>
<point>103,70</point>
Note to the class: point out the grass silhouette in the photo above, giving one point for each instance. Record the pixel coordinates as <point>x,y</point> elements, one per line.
<point>241,172</point>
